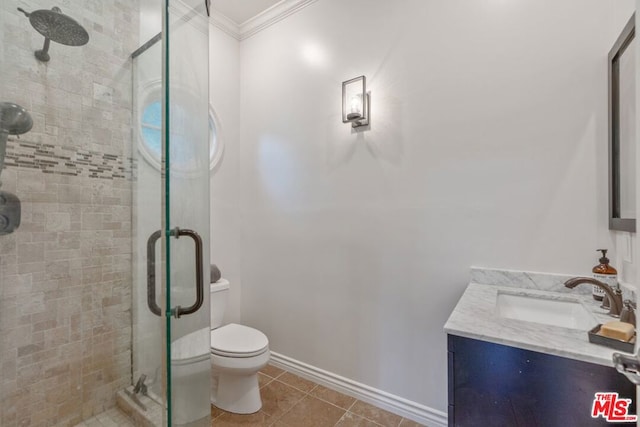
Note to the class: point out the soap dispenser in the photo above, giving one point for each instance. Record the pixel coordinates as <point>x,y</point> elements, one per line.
<point>604,273</point>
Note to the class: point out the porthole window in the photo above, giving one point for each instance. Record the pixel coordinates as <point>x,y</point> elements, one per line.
<point>151,135</point>
<point>151,129</point>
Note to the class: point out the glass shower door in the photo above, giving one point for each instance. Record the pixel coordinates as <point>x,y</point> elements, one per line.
<point>171,356</point>
<point>185,225</point>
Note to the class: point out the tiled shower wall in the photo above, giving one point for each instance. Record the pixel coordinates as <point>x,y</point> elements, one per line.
<point>65,274</point>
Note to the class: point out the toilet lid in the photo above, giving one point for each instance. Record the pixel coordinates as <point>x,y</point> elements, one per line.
<point>238,340</point>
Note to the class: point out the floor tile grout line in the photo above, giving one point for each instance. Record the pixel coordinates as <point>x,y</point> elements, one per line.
<point>271,379</point>
<point>280,374</point>
<point>306,394</point>
<point>368,419</point>
<point>309,394</point>
<point>292,406</point>
<point>352,404</point>
<point>294,387</point>
<point>271,376</point>
<point>268,376</point>
<point>331,403</point>
<point>264,375</point>
<point>325,401</point>
<point>340,419</point>
<point>360,416</point>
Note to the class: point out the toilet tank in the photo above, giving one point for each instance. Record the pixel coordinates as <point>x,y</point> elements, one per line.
<point>219,294</point>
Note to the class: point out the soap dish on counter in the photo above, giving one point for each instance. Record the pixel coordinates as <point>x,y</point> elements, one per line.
<point>626,346</point>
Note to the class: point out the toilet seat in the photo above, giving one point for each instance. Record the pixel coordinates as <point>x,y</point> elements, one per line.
<point>235,340</point>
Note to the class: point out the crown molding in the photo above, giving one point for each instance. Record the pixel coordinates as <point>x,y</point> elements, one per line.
<point>261,21</point>
<point>224,24</point>
<point>270,16</point>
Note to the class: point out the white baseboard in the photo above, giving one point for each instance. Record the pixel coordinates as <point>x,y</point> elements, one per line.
<point>398,405</point>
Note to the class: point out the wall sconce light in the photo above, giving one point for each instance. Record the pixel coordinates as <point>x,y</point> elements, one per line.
<point>355,102</point>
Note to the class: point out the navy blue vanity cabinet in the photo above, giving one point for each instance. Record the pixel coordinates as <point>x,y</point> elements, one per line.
<point>493,385</point>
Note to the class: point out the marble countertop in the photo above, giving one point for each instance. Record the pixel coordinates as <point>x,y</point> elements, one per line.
<point>475,317</point>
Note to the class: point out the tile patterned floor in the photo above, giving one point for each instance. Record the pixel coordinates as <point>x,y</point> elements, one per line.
<point>291,401</point>
<point>110,418</point>
<point>287,401</point>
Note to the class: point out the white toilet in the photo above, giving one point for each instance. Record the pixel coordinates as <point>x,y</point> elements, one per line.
<point>237,354</point>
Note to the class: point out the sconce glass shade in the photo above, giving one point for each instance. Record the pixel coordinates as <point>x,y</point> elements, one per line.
<point>355,102</point>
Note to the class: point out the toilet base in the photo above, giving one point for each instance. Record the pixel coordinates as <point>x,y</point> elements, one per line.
<point>234,386</point>
<point>239,394</point>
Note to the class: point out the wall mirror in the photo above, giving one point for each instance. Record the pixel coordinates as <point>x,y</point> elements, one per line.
<point>622,131</point>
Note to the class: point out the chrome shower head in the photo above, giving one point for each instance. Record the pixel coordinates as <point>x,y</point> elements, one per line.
<point>14,119</point>
<point>55,25</point>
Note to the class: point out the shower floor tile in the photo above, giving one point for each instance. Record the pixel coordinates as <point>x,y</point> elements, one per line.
<point>291,401</point>
<point>110,418</point>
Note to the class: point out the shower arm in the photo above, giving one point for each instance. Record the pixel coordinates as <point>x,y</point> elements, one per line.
<point>43,54</point>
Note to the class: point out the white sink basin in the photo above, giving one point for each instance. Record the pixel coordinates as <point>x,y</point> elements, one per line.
<point>547,310</point>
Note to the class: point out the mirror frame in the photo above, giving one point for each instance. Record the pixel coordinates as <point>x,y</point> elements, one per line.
<point>623,41</point>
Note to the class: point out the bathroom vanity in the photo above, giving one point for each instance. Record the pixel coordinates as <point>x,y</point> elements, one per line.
<point>521,357</point>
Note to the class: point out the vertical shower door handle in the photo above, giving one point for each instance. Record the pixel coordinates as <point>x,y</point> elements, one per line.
<point>197,240</point>
<point>151,273</point>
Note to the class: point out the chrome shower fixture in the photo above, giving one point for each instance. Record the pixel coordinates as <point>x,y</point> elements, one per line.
<point>9,213</point>
<point>14,120</point>
<point>56,26</point>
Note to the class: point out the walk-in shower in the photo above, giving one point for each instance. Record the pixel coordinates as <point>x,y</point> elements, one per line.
<point>75,328</point>
<point>56,26</point>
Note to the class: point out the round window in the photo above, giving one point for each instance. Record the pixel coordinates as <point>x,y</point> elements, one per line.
<point>182,157</point>
<point>151,129</point>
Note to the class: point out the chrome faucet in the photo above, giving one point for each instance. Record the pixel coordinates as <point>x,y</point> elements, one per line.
<point>140,386</point>
<point>614,296</point>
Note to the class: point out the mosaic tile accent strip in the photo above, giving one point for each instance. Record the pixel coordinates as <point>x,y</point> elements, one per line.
<point>70,161</point>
